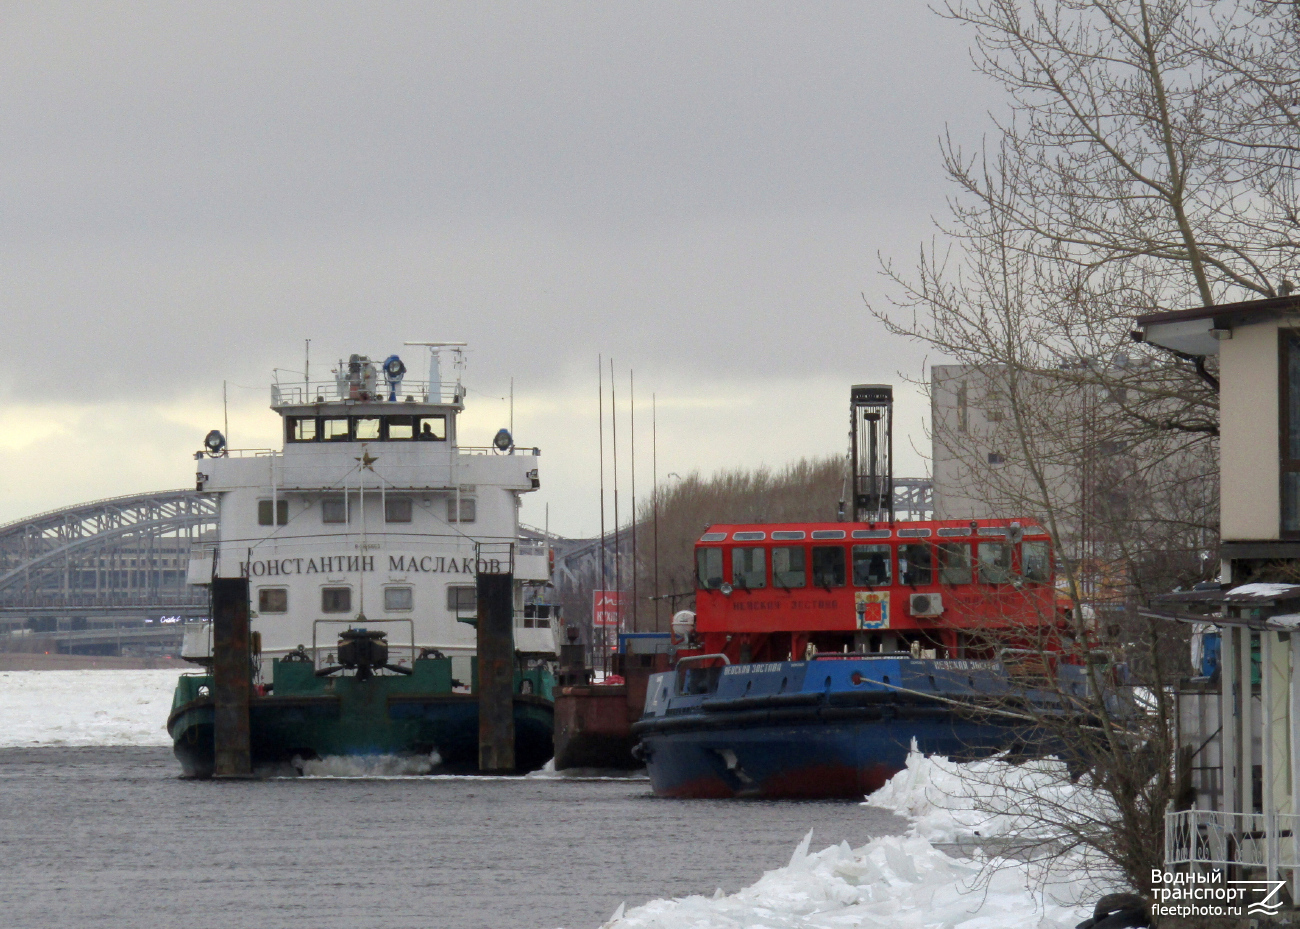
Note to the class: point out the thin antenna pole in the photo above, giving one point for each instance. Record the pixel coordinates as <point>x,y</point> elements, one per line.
<point>600,411</point>
<point>512,406</point>
<point>618,548</point>
<point>225,414</point>
<point>654,493</point>
<point>636,565</point>
<point>306,374</point>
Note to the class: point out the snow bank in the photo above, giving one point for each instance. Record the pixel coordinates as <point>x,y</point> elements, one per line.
<point>948,802</point>
<point>96,707</point>
<point>367,766</point>
<point>900,882</point>
<point>904,882</point>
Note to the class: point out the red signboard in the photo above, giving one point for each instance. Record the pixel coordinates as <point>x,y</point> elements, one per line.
<point>606,610</point>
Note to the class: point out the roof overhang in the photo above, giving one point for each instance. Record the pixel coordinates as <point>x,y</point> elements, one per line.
<point>1199,331</point>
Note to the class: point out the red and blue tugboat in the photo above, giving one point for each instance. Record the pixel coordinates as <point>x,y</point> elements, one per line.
<point>818,652</point>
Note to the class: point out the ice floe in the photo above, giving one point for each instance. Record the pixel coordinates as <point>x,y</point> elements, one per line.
<point>98,707</point>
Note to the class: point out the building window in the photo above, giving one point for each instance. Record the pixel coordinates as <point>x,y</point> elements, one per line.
<point>398,599</point>
<point>334,510</point>
<point>996,458</point>
<point>748,568</point>
<point>264,512</point>
<point>397,510</point>
<point>336,599</point>
<point>273,600</point>
<point>468,510</point>
<point>462,600</point>
<point>871,565</point>
<point>1289,401</point>
<point>828,565</point>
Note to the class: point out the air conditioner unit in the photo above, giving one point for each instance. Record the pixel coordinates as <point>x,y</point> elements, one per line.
<point>926,604</point>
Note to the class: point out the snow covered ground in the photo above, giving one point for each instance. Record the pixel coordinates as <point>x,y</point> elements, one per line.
<point>85,707</point>
<point>905,882</point>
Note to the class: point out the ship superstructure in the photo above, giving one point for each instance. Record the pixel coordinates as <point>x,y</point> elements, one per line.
<point>373,514</point>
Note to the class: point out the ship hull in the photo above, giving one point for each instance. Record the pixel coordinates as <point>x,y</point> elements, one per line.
<point>284,730</point>
<point>822,729</point>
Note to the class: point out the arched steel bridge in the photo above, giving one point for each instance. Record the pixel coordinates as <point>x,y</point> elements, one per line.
<point>73,573</point>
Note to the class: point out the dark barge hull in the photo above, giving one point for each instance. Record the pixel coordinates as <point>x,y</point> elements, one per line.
<point>314,727</point>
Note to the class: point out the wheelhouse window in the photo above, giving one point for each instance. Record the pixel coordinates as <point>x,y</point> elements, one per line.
<point>334,510</point>
<point>398,599</point>
<point>748,568</point>
<point>954,563</point>
<point>708,568</point>
<point>828,566</point>
<point>397,510</point>
<point>995,563</point>
<point>788,568</point>
<point>265,516</point>
<point>273,600</point>
<point>1289,370</point>
<point>335,429</point>
<point>300,429</point>
<point>871,565</point>
<point>432,429</point>
<point>336,599</point>
<point>401,428</point>
<point>915,564</point>
<point>366,428</point>
<point>1035,562</point>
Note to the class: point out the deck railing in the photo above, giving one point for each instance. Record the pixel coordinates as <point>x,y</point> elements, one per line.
<point>1205,840</point>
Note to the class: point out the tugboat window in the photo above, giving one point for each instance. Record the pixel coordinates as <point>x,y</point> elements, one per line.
<point>468,510</point>
<point>708,568</point>
<point>401,428</point>
<point>302,429</point>
<point>333,510</point>
<point>871,565</point>
<point>336,599</point>
<point>398,599</point>
<point>432,429</point>
<point>1034,562</point>
<point>995,563</point>
<point>748,568</point>
<point>366,429</point>
<point>788,568</point>
<point>954,563</point>
<point>915,565</point>
<point>828,566</point>
<point>335,429</point>
<point>397,510</point>
<point>264,512</point>
<point>462,600</point>
<point>273,600</point>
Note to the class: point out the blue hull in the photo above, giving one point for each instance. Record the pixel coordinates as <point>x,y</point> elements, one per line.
<point>818,729</point>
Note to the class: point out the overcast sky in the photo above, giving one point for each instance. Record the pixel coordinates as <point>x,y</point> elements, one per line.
<point>698,190</point>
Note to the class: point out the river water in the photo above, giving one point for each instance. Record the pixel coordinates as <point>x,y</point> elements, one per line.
<point>112,838</point>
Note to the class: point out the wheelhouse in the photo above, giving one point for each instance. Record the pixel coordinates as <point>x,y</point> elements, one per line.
<point>943,588</point>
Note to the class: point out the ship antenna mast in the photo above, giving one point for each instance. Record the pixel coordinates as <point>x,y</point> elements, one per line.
<point>871,438</point>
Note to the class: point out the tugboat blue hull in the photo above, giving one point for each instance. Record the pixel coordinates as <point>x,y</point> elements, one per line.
<point>823,729</point>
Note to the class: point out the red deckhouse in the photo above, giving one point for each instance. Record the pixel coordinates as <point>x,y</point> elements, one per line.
<point>950,588</point>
